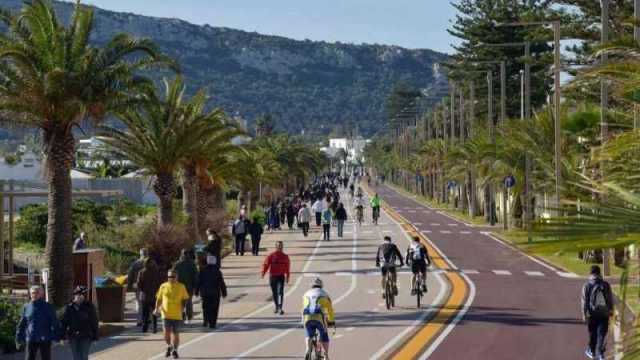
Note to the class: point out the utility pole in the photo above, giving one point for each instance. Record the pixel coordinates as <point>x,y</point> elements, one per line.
<point>528,209</point>
<point>453,113</point>
<point>604,107</point>
<point>492,132</point>
<point>472,120</point>
<point>557,97</point>
<point>503,91</point>
<point>636,37</point>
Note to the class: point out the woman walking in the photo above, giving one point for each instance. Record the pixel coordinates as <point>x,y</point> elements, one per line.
<point>80,324</point>
<point>148,283</point>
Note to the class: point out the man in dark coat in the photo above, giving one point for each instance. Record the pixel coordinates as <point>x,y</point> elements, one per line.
<point>80,324</point>
<point>256,230</point>
<point>38,326</point>
<point>188,276</point>
<point>210,287</point>
<point>214,246</point>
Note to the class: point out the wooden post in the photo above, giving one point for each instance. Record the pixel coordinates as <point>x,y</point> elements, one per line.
<point>2,254</point>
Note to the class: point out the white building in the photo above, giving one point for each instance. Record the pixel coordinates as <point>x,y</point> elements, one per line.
<point>353,146</point>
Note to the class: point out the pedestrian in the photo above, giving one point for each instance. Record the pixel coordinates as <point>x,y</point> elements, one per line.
<point>80,324</point>
<point>327,215</point>
<point>283,211</point>
<point>148,283</point>
<point>214,246</point>
<point>341,217</point>
<point>239,231</point>
<point>210,288</point>
<point>132,276</point>
<point>255,230</point>
<point>38,326</point>
<point>291,215</point>
<point>170,300</point>
<point>304,217</point>
<point>278,265</point>
<point>597,308</point>
<point>318,207</point>
<point>80,243</point>
<point>274,217</point>
<point>187,273</point>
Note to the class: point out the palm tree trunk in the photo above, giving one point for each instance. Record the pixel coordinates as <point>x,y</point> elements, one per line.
<point>190,199</point>
<point>165,189</point>
<point>58,249</point>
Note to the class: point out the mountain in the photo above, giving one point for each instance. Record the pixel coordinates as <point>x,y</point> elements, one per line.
<point>312,86</point>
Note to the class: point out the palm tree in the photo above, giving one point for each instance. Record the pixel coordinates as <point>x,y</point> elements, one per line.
<point>159,136</point>
<point>51,78</point>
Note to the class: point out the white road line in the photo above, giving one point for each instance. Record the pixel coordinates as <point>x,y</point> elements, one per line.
<point>371,292</point>
<point>541,263</point>
<point>338,336</point>
<point>435,224</point>
<point>417,223</point>
<point>569,275</point>
<point>354,279</point>
<point>387,231</point>
<point>427,232</point>
<point>501,272</point>
<point>343,274</point>
<point>534,273</point>
<point>293,288</point>
<point>393,342</point>
<point>452,224</point>
<point>373,273</point>
<point>465,232</point>
<point>470,271</point>
<point>350,329</point>
<point>313,275</point>
<point>445,232</point>
<point>412,211</point>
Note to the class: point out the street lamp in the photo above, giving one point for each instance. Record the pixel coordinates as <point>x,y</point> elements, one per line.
<point>555,25</point>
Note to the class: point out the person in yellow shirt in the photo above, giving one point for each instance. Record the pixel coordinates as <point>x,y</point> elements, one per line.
<point>317,315</point>
<point>170,301</point>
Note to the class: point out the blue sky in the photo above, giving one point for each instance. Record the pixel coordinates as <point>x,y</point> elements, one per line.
<point>407,23</point>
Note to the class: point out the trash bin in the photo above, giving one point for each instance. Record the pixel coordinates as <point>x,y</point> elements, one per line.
<point>111,298</point>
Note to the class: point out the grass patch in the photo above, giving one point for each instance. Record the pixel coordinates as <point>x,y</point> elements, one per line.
<point>449,209</point>
<point>632,300</point>
<point>568,261</point>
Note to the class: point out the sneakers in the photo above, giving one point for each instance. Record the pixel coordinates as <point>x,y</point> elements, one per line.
<point>589,353</point>
<point>175,354</point>
<point>281,312</point>
<point>169,350</point>
<point>424,288</point>
<point>276,311</point>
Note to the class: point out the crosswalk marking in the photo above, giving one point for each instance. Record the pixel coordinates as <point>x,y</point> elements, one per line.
<point>534,273</point>
<point>501,272</point>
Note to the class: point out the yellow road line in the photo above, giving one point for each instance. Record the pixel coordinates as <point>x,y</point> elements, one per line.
<point>419,341</point>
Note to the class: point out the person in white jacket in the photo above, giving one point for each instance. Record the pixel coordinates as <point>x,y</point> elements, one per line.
<point>304,217</point>
<point>318,207</point>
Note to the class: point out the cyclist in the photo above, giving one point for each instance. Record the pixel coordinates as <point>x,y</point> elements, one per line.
<point>388,253</point>
<point>359,192</point>
<point>375,207</point>
<point>317,315</point>
<point>351,190</point>
<point>418,257</point>
<point>358,204</point>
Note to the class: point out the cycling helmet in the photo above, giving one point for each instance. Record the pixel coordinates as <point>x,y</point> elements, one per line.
<point>317,282</point>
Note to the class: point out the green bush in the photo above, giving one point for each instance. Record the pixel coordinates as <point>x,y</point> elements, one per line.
<point>258,214</point>
<point>10,311</point>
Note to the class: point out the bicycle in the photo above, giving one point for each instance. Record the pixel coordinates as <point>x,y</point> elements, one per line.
<point>315,351</point>
<point>389,297</point>
<point>417,287</point>
<point>360,214</point>
<point>376,215</point>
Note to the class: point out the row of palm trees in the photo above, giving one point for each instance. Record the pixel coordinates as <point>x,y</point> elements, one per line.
<point>54,79</point>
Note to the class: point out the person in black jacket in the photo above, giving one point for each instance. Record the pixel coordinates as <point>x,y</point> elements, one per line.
<point>341,217</point>
<point>256,230</point>
<point>214,246</point>
<point>80,324</point>
<point>210,288</point>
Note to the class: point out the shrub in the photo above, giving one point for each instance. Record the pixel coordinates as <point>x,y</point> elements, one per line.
<point>10,311</point>
<point>164,245</point>
<point>258,215</point>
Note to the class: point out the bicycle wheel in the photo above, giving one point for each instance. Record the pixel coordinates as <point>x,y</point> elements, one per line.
<point>418,290</point>
<point>388,292</point>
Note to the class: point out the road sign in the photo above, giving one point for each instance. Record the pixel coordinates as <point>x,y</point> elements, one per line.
<point>509,181</point>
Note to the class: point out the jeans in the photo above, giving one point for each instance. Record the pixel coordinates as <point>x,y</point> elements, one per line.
<point>240,238</point>
<point>188,308</point>
<point>326,231</point>
<point>255,245</point>
<point>277,290</point>
<point>210,309</point>
<point>147,316</point>
<point>318,218</point>
<point>598,328</point>
<point>305,228</point>
<point>31,352</point>
<point>139,307</point>
<point>340,228</point>
<point>80,348</point>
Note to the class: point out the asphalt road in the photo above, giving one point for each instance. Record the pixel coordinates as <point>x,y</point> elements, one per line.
<point>522,309</point>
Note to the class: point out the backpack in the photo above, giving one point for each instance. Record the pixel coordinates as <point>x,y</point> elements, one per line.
<point>598,300</point>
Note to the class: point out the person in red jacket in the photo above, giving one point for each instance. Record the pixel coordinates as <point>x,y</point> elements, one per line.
<point>277,264</point>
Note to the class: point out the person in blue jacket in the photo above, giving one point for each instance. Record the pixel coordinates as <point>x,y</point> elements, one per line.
<point>38,326</point>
